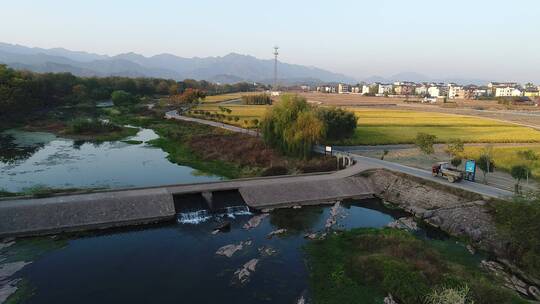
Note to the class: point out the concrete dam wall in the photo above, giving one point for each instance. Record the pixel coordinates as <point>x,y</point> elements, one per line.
<point>100,210</point>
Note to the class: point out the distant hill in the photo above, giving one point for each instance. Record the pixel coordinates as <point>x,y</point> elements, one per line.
<point>226,69</point>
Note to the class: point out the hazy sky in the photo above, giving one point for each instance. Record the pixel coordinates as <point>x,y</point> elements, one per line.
<point>487,39</point>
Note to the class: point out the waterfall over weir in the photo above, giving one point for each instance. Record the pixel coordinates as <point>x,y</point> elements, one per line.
<point>200,216</point>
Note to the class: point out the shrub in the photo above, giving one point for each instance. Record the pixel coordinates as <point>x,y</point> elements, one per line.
<point>261,99</point>
<point>425,142</point>
<point>91,126</point>
<point>518,222</point>
<point>123,98</point>
<point>274,171</point>
<point>339,123</point>
<point>449,296</point>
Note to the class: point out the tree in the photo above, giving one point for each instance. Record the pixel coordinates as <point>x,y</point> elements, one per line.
<point>456,161</point>
<point>486,164</point>
<point>292,126</point>
<point>339,123</point>
<point>425,142</point>
<point>190,96</point>
<point>530,157</point>
<point>455,147</point>
<point>123,98</point>
<point>519,172</point>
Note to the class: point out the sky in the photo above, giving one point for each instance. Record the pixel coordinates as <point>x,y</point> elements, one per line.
<point>482,39</point>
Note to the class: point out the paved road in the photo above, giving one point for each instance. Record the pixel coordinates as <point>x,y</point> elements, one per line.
<point>465,185</point>
<point>175,115</point>
<point>364,163</point>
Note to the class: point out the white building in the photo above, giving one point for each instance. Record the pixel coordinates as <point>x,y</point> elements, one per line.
<point>421,90</point>
<point>365,89</point>
<point>434,91</point>
<point>343,88</point>
<point>385,89</point>
<point>455,91</point>
<point>508,92</point>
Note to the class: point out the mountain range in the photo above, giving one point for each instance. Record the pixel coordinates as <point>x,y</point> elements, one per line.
<point>230,68</point>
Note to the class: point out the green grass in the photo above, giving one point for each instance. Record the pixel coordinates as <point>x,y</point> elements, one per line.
<point>24,292</point>
<point>518,222</point>
<point>364,265</point>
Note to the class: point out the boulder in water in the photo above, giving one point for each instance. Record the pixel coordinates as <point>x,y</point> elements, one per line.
<point>243,274</point>
<point>231,249</point>
<point>276,232</point>
<point>255,221</point>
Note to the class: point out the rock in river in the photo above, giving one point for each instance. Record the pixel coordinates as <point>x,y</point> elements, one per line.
<point>276,232</point>
<point>231,249</point>
<point>243,274</point>
<point>255,221</point>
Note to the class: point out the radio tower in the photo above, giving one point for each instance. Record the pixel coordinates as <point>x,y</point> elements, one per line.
<point>276,53</point>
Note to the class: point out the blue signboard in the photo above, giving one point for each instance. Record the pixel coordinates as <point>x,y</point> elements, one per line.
<point>470,170</point>
<point>470,166</point>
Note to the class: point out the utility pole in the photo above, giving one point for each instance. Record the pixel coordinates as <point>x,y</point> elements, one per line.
<point>276,53</point>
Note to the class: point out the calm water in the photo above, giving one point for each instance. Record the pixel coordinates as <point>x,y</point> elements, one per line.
<point>29,159</point>
<point>176,263</point>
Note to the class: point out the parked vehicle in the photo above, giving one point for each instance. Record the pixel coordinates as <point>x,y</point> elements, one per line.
<point>448,171</point>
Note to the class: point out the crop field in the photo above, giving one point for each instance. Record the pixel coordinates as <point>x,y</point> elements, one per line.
<point>507,156</point>
<point>244,113</point>
<point>226,97</point>
<point>388,126</point>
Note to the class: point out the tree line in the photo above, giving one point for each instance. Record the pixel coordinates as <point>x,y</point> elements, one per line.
<point>23,92</point>
<point>293,126</point>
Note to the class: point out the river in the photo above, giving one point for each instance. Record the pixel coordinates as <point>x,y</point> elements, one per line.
<point>177,262</point>
<point>40,159</point>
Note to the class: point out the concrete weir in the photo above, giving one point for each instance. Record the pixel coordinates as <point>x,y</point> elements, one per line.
<point>106,209</point>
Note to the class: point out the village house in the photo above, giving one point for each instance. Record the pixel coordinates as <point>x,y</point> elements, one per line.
<point>532,92</point>
<point>404,88</point>
<point>455,91</point>
<point>343,88</point>
<point>365,89</point>
<point>385,89</point>
<point>508,92</point>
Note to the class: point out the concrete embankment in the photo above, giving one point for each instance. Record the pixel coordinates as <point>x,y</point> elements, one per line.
<point>26,217</point>
<point>438,204</point>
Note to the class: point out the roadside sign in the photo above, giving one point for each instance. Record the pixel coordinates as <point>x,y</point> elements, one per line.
<point>470,170</point>
<point>328,150</point>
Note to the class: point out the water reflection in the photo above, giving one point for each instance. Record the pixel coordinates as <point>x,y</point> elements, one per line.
<point>37,158</point>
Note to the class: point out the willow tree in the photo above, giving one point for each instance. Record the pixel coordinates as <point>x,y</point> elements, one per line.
<point>292,126</point>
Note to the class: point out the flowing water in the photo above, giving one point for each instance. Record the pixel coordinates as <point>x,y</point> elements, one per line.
<point>177,262</point>
<point>30,159</point>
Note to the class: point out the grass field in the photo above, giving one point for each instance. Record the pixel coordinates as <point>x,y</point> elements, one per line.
<point>505,157</point>
<point>385,126</point>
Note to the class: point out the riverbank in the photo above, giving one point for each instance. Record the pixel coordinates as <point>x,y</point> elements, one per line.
<point>215,150</point>
<point>368,265</point>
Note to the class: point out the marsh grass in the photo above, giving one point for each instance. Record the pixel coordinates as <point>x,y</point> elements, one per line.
<point>364,265</point>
